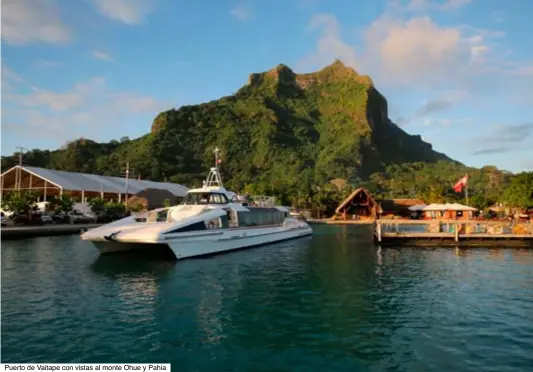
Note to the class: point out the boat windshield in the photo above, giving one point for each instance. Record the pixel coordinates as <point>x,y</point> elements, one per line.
<point>153,216</point>
<point>205,198</point>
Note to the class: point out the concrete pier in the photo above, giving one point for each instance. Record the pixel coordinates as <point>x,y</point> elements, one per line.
<point>22,232</point>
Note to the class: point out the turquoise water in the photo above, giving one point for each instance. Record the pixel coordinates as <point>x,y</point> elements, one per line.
<point>332,302</point>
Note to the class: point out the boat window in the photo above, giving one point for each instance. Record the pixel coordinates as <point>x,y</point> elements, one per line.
<point>198,226</point>
<point>157,216</point>
<point>231,218</point>
<point>261,217</point>
<point>205,198</point>
<point>216,199</point>
<point>225,222</point>
<point>214,223</point>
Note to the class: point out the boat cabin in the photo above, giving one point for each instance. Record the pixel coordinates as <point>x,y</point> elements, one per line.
<point>214,207</point>
<point>205,197</point>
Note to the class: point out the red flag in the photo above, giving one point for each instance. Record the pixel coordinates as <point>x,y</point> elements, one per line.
<point>458,187</point>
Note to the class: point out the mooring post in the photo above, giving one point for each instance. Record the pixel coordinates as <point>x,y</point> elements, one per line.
<point>378,228</point>
<point>456,232</point>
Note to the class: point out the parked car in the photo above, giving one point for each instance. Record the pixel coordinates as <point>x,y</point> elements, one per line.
<point>60,218</point>
<point>47,218</point>
<point>27,219</point>
<point>78,217</point>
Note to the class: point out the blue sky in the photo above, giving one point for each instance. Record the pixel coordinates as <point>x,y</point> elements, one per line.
<point>457,72</point>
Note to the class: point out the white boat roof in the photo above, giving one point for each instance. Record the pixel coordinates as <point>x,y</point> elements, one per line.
<point>211,189</point>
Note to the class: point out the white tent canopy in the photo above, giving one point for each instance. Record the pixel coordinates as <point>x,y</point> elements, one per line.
<point>72,181</point>
<point>448,207</point>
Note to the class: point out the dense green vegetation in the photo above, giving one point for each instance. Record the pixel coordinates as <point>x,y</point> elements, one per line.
<point>520,192</point>
<point>287,135</point>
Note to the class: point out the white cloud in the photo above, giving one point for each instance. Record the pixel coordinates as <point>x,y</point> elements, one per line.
<point>430,110</point>
<point>82,110</point>
<point>420,52</point>
<point>522,70</point>
<point>498,16</point>
<point>10,75</point>
<point>48,63</point>
<point>131,12</point>
<point>101,55</point>
<point>504,139</point>
<point>241,12</point>
<point>329,46</point>
<point>33,21</point>
<point>406,52</point>
<point>415,5</point>
<point>58,101</point>
<point>10,79</point>
<point>527,165</point>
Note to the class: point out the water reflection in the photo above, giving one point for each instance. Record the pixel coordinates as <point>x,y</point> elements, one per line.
<point>130,265</point>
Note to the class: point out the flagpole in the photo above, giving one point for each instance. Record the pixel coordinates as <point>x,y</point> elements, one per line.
<point>466,189</point>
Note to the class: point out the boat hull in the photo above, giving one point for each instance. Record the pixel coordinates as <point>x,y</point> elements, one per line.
<point>190,246</point>
<point>184,249</point>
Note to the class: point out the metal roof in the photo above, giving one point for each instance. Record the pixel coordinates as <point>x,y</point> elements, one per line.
<point>96,183</point>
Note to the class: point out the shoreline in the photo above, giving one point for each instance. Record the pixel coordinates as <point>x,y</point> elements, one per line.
<point>23,232</point>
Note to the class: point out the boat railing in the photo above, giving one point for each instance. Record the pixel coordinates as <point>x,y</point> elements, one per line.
<point>255,200</point>
<point>264,201</point>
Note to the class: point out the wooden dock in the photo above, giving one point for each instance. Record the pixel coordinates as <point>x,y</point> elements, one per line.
<point>329,221</point>
<point>452,233</point>
<point>22,232</point>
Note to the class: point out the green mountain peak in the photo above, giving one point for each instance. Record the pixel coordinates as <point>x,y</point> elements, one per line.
<point>280,131</point>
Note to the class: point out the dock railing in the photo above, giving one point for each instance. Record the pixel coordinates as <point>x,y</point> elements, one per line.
<point>455,230</point>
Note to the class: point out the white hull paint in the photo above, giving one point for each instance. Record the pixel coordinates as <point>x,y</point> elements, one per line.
<point>211,220</point>
<point>209,242</point>
<point>236,240</point>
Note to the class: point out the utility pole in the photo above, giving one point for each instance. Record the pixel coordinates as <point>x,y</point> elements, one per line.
<point>127,174</point>
<point>127,178</point>
<point>18,181</point>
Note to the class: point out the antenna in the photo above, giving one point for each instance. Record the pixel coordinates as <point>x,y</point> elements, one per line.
<point>213,178</point>
<point>217,160</point>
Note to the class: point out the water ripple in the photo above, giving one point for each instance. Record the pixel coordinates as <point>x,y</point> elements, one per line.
<point>333,302</point>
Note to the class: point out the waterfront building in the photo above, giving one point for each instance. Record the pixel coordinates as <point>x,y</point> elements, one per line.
<point>48,183</point>
<point>358,205</point>
<point>453,211</point>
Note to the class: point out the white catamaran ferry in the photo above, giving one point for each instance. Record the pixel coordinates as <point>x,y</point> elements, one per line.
<point>210,220</point>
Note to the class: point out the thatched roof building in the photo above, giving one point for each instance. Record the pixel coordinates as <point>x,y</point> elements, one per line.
<point>358,205</point>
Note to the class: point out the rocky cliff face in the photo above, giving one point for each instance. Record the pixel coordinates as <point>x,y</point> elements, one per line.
<point>333,123</point>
